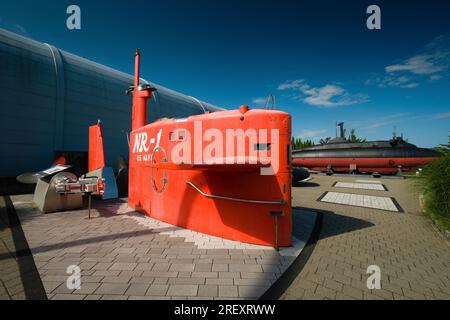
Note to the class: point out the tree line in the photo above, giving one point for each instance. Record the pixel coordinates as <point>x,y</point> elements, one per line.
<point>299,143</point>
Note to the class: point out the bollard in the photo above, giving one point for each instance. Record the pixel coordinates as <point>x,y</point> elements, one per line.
<point>276,214</point>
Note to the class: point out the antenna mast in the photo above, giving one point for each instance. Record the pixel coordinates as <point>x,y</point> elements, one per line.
<point>341,126</point>
<point>270,99</point>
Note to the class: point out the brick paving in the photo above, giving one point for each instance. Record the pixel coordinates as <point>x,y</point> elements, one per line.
<point>125,255</point>
<point>19,278</point>
<point>414,258</point>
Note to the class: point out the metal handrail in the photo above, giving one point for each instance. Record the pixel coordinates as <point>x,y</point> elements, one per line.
<point>212,196</point>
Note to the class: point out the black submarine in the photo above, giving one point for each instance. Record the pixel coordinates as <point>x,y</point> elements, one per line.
<point>384,156</point>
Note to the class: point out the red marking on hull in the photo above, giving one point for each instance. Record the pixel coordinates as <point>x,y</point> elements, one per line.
<point>381,165</point>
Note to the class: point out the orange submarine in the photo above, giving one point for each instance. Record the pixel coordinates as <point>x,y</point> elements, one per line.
<point>225,173</point>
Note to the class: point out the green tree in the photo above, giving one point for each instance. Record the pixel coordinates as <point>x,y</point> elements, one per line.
<point>435,183</point>
<point>444,148</point>
<point>435,180</point>
<point>354,138</point>
<point>307,143</point>
<point>298,143</point>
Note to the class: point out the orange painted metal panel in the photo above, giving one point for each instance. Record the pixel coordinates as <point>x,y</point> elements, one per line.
<point>184,172</point>
<point>161,189</point>
<point>96,151</point>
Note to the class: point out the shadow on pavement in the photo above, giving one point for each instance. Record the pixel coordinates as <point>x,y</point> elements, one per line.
<point>306,184</point>
<point>18,255</point>
<point>76,243</point>
<point>327,224</point>
<point>335,224</point>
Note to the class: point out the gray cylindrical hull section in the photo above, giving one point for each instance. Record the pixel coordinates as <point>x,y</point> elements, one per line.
<point>49,98</point>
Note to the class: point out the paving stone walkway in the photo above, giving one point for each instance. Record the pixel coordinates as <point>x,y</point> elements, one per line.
<point>413,257</point>
<point>124,255</point>
<point>19,278</point>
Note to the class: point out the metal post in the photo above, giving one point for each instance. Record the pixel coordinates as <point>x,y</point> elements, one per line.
<point>329,170</point>
<point>276,214</point>
<point>399,171</point>
<point>276,234</point>
<point>89,204</point>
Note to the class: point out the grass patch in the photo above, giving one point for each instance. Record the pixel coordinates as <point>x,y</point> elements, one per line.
<point>435,185</point>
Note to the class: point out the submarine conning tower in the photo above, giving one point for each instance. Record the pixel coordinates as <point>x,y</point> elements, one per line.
<point>141,94</point>
<point>223,173</point>
<point>384,156</point>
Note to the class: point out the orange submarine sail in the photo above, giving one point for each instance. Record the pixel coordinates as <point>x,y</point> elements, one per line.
<point>226,173</point>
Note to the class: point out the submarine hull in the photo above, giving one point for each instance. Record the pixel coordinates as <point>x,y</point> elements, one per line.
<point>220,196</point>
<point>383,160</point>
<point>380,165</point>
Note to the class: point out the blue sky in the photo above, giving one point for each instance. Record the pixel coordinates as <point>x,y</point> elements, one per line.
<point>317,57</point>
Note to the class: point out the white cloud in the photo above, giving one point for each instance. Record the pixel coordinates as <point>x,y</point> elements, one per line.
<point>440,116</point>
<point>392,81</point>
<point>310,134</point>
<point>420,64</point>
<point>260,101</point>
<point>395,119</point>
<point>431,62</point>
<point>435,77</point>
<point>291,84</point>
<point>410,85</point>
<point>379,122</point>
<point>330,95</point>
